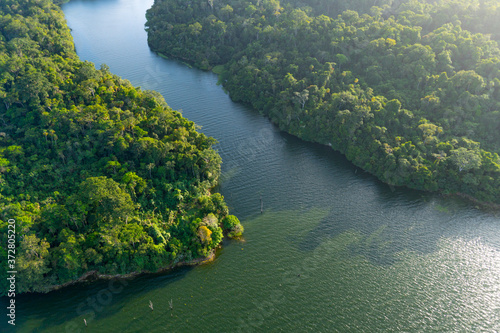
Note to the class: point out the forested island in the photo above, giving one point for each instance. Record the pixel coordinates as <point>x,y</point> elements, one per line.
<point>409,91</point>
<point>97,175</point>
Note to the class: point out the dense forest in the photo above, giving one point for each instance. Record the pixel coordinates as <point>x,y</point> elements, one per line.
<point>409,90</point>
<point>98,175</point>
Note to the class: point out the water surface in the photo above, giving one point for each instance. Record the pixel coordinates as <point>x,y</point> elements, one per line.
<point>335,250</point>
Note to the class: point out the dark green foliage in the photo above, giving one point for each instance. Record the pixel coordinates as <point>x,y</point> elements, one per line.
<point>98,175</point>
<point>406,93</point>
<point>233,225</point>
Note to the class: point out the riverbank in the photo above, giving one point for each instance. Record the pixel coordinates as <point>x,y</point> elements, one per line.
<point>129,200</point>
<point>368,255</point>
<point>95,275</point>
<point>479,203</point>
<point>219,71</point>
<point>305,75</point>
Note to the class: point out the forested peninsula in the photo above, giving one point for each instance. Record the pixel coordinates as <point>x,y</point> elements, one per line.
<point>407,90</point>
<point>95,175</point>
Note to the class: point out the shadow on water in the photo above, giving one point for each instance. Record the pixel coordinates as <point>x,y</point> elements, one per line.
<point>393,219</point>
<point>93,300</point>
<point>313,199</point>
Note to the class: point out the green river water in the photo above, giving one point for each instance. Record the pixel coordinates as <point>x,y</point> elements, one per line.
<point>334,250</point>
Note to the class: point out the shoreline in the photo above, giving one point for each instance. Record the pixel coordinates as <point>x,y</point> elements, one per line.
<point>95,275</point>
<point>473,200</point>
<point>482,204</point>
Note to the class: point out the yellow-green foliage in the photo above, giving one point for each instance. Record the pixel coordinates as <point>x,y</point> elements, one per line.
<point>205,234</point>
<point>98,174</point>
<point>406,93</point>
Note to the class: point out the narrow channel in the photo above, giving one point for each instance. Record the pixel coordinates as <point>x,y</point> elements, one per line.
<point>334,250</point>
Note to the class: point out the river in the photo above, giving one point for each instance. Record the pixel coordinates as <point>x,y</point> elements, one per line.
<point>334,250</point>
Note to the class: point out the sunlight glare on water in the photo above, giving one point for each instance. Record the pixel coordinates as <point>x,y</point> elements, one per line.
<point>335,250</point>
